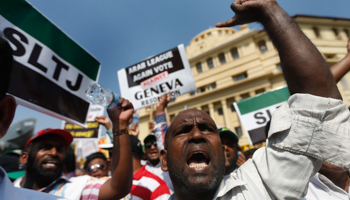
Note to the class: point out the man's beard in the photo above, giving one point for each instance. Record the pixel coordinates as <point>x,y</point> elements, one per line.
<point>182,178</point>
<point>42,177</point>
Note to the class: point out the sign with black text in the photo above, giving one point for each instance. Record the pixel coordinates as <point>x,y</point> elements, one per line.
<point>93,130</point>
<point>145,81</point>
<point>51,72</point>
<point>256,111</point>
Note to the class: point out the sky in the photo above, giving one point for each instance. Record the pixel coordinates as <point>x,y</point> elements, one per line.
<point>121,33</point>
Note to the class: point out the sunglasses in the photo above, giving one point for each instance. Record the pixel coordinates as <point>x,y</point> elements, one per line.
<point>149,144</point>
<point>95,166</point>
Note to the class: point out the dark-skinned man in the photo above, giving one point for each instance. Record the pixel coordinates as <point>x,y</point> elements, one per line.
<point>7,112</point>
<point>193,152</point>
<point>46,150</point>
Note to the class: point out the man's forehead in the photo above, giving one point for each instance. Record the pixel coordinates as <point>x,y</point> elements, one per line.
<point>190,116</point>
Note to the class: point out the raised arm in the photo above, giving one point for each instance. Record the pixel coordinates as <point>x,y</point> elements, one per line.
<point>342,67</point>
<point>304,68</point>
<point>161,126</point>
<point>120,183</point>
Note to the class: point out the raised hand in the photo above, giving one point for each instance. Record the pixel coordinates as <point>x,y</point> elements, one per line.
<point>163,102</point>
<point>247,11</point>
<point>121,115</point>
<point>104,121</point>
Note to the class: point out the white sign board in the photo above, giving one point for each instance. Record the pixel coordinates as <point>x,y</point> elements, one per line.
<point>93,130</point>
<point>145,81</point>
<point>50,71</point>
<point>256,111</point>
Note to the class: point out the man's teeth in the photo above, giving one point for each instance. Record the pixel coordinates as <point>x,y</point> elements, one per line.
<point>198,165</point>
<point>50,164</point>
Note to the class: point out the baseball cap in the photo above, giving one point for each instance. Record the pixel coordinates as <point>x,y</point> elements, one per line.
<point>229,132</point>
<point>151,135</point>
<point>136,146</point>
<point>68,138</point>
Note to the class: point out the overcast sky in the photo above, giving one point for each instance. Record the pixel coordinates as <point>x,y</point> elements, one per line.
<point>122,33</point>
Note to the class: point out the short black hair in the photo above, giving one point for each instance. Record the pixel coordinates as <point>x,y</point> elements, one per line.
<point>92,156</point>
<point>6,62</point>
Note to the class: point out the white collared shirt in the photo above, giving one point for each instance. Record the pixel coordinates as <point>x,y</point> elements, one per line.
<point>304,132</point>
<point>9,192</point>
<point>321,188</point>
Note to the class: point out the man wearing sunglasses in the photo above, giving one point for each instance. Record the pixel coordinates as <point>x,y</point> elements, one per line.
<point>96,165</point>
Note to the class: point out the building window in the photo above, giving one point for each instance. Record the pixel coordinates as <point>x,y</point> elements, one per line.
<point>202,37</point>
<point>347,32</point>
<point>209,34</point>
<point>192,93</point>
<point>317,32</point>
<point>196,40</point>
<point>245,96</point>
<point>234,53</point>
<point>226,32</point>
<point>232,107</point>
<point>220,111</point>
<point>222,58</point>
<point>259,91</point>
<point>199,68</point>
<point>240,77</point>
<point>210,63</point>
<point>202,89</point>
<point>336,33</point>
<point>239,131</point>
<point>213,85</point>
<point>262,46</point>
<point>219,32</point>
<point>279,67</point>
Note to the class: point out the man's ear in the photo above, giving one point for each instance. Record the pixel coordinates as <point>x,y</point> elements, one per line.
<point>163,160</point>
<point>7,112</point>
<point>23,158</point>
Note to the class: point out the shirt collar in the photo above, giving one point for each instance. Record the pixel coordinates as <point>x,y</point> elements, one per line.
<point>228,183</point>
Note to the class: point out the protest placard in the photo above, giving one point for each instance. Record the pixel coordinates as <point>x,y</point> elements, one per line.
<point>92,130</point>
<point>145,81</point>
<point>256,111</point>
<point>51,72</point>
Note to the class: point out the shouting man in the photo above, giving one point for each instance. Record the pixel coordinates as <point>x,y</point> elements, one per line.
<point>193,153</point>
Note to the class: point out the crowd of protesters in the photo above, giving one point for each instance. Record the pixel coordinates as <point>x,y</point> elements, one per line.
<point>306,154</point>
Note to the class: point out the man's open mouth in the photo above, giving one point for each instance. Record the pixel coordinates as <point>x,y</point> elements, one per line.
<point>50,164</point>
<point>198,160</point>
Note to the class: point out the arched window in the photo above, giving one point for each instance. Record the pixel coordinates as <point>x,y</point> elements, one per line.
<point>210,63</point>
<point>234,53</point>
<point>222,58</point>
<point>199,67</point>
<point>317,32</point>
<point>262,46</point>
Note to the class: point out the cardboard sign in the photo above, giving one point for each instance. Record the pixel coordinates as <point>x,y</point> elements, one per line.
<point>92,130</point>
<point>51,72</point>
<point>256,111</point>
<point>145,81</point>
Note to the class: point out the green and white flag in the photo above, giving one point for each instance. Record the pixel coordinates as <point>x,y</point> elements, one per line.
<point>51,72</point>
<point>256,111</point>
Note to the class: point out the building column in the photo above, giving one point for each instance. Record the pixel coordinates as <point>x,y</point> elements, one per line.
<point>252,93</point>
<point>224,109</point>
<point>211,110</point>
